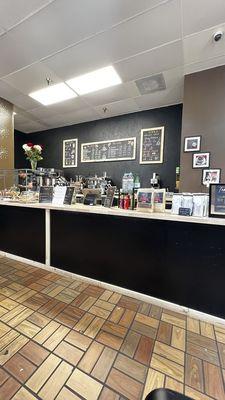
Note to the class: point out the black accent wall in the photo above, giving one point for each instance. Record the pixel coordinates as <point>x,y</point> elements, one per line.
<point>113,128</point>
<point>19,139</point>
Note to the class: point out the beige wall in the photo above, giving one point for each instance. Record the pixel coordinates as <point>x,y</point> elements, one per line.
<point>203,114</point>
<point>6,137</point>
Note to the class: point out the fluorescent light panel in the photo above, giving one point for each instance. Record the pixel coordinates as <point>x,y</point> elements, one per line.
<point>53,94</point>
<point>96,80</point>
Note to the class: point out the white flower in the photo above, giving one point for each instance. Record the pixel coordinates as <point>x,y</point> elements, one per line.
<point>25,147</point>
<point>38,148</point>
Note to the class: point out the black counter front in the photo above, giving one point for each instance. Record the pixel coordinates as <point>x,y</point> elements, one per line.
<point>177,259</point>
<point>22,232</point>
<point>179,262</point>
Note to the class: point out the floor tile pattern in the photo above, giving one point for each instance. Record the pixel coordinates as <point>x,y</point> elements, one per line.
<point>65,339</point>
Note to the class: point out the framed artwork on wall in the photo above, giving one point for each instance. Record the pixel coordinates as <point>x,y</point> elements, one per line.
<point>152,145</point>
<point>210,176</point>
<point>70,148</point>
<point>201,160</point>
<point>192,143</point>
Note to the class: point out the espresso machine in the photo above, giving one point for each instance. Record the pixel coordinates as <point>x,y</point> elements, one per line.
<point>50,177</point>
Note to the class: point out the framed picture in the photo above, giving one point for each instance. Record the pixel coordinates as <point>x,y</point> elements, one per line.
<point>152,145</point>
<point>217,200</point>
<point>145,200</point>
<point>70,153</point>
<point>192,143</point>
<point>210,176</point>
<point>201,160</point>
<point>159,200</point>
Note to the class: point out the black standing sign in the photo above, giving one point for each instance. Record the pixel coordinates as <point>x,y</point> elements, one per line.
<point>69,195</point>
<point>46,194</point>
<point>109,197</point>
<point>151,147</point>
<point>110,150</point>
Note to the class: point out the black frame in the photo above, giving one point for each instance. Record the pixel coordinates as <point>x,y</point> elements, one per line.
<point>212,215</point>
<point>204,166</point>
<point>194,150</point>
<point>208,169</point>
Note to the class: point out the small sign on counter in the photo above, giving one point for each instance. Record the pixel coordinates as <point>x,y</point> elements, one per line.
<point>69,196</point>
<point>185,211</point>
<point>59,195</point>
<point>46,194</point>
<point>109,197</point>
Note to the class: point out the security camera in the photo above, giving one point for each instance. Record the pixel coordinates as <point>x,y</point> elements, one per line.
<point>217,36</point>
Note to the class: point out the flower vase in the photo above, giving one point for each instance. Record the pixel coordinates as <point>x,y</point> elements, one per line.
<point>33,165</point>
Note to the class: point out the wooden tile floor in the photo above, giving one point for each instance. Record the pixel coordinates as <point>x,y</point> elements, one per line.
<point>64,339</point>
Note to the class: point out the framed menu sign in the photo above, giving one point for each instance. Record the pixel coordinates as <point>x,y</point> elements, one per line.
<point>151,147</point>
<point>217,200</point>
<point>110,150</point>
<point>70,153</point>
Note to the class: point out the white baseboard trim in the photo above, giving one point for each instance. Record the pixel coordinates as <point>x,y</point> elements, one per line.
<point>127,292</point>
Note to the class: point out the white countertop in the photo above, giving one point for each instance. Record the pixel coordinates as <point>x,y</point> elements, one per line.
<point>166,216</point>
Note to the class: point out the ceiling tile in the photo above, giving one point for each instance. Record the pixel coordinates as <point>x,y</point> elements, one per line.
<point>71,117</point>
<point>7,91</point>
<point>67,106</point>
<point>202,65</point>
<point>82,19</point>
<point>174,77</point>
<point>118,108</point>
<point>29,126</point>
<point>202,14</point>
<point>1,30</point>
<point>109,95</point>
<point>163,98</point>
<point>149,30</point>
<point>201,47</point>
<point>12,12</point>
<point>32,78</point>
<point>24,102</point>
<point>151,62</point>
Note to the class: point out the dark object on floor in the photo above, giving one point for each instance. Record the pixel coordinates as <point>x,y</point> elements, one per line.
<point>166,394</point>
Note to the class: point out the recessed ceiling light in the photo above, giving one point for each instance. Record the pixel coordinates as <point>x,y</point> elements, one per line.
<point>53,94</point>
<point>14,113</point>
<point>96,80</point>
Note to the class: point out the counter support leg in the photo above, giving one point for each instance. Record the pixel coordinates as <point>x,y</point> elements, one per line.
<point>47,238</point>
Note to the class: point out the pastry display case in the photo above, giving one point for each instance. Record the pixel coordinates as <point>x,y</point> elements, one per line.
<point>18,185</point>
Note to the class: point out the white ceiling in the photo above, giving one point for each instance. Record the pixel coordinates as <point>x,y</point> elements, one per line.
<point>61,39</point>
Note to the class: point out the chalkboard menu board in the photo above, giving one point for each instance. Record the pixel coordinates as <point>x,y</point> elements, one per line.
<point>70,153</point>
<point>151,147</point>
<point>110,150</point>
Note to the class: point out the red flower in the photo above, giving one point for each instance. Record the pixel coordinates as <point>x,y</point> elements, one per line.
<point>30,144</point>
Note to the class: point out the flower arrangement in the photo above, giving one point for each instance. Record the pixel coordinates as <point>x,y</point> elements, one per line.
<point>33,153</point>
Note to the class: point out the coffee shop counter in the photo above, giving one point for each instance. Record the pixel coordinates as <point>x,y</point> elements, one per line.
<point>179,259</point>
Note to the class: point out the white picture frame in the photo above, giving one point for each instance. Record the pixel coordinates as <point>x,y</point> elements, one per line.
<point>145,200</point>
<point>201,160</point>
<point>192,143</point>
<point>159,200</point>
<point>211,175</point>
<point>67,162</point>
<point>160,160</point>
